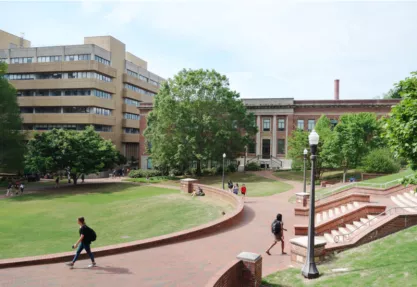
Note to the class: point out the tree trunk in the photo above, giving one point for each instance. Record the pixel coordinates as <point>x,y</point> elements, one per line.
<point>74,178</point>
<point>198,171</point>
<point>344,174</point>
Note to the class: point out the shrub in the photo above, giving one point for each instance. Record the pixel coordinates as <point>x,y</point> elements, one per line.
<point>381,161</point>
<point>175,172</point>
<point>144,173</point>
<point>253,166</point>
<point>210,171</point>
<point>231,168</point>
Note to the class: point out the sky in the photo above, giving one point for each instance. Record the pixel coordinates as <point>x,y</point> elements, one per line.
<point>267,49</point>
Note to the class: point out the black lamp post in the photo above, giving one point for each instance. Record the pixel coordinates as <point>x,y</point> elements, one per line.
<point>305,169</point>
<point>310,270</point>
<point>224,156</point>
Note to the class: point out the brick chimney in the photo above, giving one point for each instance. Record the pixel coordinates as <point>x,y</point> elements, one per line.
<point>336,89</point>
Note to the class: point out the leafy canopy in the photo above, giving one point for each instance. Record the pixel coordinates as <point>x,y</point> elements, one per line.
<point>76,151</point>
<point>401,125</point>
<point>11,137</point>
<point>197,117</point>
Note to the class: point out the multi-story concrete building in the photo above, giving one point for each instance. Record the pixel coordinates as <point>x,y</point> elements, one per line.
<point>96,83</point>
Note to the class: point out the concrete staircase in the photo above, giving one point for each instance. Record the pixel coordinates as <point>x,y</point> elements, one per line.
<point>408,200</point>
<point>349,229</point>
<point>336,212</point>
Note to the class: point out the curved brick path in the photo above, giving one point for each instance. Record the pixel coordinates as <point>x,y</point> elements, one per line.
<point>189,263</point>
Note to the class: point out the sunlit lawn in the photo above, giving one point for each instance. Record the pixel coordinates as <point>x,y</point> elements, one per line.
<point>256,185</point>
<point>386,262</point>
<point>35,224</point>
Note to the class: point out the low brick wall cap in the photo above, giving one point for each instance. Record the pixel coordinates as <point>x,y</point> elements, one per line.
<point>189,179</point>
<point>249,256</point>
<point>303,241</point>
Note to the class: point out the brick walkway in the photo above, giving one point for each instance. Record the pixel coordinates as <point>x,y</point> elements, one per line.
<point>189,263</point>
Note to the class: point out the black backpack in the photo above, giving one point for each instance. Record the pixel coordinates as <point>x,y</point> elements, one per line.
<point>276,227</point>
<point>92,236</point>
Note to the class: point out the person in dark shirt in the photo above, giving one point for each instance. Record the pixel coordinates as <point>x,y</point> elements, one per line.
<point>83,243</point>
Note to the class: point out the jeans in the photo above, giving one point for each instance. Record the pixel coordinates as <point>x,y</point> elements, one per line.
<point>80,248</point>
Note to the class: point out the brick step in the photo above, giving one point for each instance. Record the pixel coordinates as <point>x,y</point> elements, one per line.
<point>334,212</point>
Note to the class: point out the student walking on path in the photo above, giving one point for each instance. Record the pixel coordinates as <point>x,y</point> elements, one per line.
<point>57,181</point>
<point>243,191</point>
<point>9,189</point>
<point>277,228</point>
<point>22,188</point>
<point>236,189</point>
<point>87,235</point>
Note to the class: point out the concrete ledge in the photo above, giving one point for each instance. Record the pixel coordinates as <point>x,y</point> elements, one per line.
<point>299,249</point>
<point>211,227</point>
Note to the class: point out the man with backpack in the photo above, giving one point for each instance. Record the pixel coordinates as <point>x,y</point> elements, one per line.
<point>87,235</point>
<point>277,228</point>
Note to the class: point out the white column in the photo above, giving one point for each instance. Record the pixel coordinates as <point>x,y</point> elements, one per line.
<point>274,136</point>
<point>286,136</point>
<point>258,135</point>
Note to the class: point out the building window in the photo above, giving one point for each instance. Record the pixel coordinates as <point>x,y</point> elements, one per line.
<point>133,74</point>
<point>266,125</point>
<point>300,124</point>
<point>101,128</point>
<point>155,83</point>
<point>77,92</point>
<point>21,60</point>
<point>311,124</point>
<point>149,163</point>
<point>129,116</point>
<point>20,76</point>
<point>281,146</point>
<point>143,78</point>
<point>101,111</point>
<point>131,102</point>
<point>131,131</point>
<point>80,57</point>
<point>252,146</point>
<point>4,60</point>
<point>46,59</point>
<point>77,110</point>
<point>139,90</point>
<point>102,60</point>
<point>47,110</point>
<point>281,124</point>
<point>333,123</point>
<point>101,94</point>
<point>26,110</point>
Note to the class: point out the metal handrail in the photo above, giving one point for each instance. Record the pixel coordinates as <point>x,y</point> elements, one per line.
<point>255,157</point>
<point>277,160</point>
<point>385,212</point>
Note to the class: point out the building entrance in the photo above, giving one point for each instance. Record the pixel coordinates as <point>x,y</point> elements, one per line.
<point>266,148</point>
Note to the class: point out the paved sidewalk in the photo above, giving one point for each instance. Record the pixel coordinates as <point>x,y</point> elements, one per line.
<point>189,263</point>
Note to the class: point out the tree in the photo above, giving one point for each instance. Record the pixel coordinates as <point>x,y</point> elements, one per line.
<point>401,124</point>
<point>381,160</point>
<point>394,93</point>
<point>79,152</point>
<point>352,138</point>
<point>299,141</point>
<point>11,136</point>
<point>196,117</point>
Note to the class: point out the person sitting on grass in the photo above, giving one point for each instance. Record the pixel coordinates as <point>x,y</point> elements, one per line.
<point>199,192</point>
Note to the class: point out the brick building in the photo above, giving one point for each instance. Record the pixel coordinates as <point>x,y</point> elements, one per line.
<point>276,118</point>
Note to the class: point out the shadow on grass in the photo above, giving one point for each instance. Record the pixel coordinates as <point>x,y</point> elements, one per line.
<point>69,190</point>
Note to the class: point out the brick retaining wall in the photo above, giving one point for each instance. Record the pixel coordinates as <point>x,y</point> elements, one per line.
<point>230,276</point>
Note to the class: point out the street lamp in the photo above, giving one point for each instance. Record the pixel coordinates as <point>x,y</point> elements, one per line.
<point>305,169</point>
<point>224,156</point>
<point>310,270</point>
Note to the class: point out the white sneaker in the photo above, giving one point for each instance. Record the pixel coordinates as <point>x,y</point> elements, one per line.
<point>92,265</point>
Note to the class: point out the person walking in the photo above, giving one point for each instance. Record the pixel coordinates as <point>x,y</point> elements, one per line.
<point>9,189</point>
<point>87,235</point>
<point>243,191</point>
<point>230,185</point>
<point>16,187</point>
<point>277,228</point>
<point>57,182</point>
<point>236,189</point>
<point>22,188</point>
<point>82,178</point>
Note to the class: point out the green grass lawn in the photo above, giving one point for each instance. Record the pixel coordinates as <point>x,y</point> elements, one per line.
<point>36,224</point>
<point>256,185</point>
<point>390,177</point>
<point>298,175</point>
<point>386,262</point>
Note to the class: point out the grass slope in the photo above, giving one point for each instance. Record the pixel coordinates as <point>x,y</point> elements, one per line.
<point>46,223</point>
<point>256,185</point>
<point>390,177</point>
<point>386,262</point>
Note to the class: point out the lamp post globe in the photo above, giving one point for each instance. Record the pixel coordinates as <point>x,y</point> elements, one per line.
<point>310,269</point>
<point>224,156</point>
